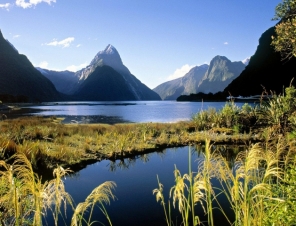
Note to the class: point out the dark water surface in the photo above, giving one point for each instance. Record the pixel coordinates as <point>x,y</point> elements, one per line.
<point>119,111</point>
<point>136,178</point>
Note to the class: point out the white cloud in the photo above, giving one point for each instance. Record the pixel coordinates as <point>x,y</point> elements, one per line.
<point>180,72</point>
<point>65,43</point>
<point>225,43</point>
<point>5,6</point>
<point>43,64</point>
<point>78,45</point>
<point>16,36</point>
<point>28,4</point>
<point>75,68</point>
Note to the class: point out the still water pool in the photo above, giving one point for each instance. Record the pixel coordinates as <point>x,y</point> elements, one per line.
<point>136,178</point>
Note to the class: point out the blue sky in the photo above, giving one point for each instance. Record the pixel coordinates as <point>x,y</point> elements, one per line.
<point>156,39</point>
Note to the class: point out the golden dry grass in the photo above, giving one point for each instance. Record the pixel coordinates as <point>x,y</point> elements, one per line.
<point>46,141</point>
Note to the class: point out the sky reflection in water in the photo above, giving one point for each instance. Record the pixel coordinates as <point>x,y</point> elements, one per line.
<point>125,111</point>
<point>136,178</point>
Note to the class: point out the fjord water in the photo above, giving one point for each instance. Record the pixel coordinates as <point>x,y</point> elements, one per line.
<point>123,111</point>
<point>136,178</point>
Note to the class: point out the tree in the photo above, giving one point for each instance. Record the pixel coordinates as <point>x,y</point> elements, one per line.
<point>285,39</point>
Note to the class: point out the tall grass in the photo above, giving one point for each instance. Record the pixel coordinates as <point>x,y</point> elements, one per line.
<point>258,187</point>
<point>25,199</point>
<point>260,184</point>
<point>47,143</point>
<point>159,197</point>
<point>186,192</point>
<point>100,195</point>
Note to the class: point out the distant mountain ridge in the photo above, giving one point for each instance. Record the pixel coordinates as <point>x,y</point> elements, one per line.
<point>106,78</point>
<point>104,83</point>
<point>205,78</point>
<point>220,73</point>
<point>64,81</point>
<point>110,57</point>
<point>18,77</point>
<point>266,70</point>
<point>185,85</point>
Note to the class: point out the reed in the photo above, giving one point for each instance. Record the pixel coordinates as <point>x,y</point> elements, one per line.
<point>25,199</point>
<point>187,191</point>
<point>258,186</point>
<point>206,169</point>
<point>47,142</point>
<point>102,194</point>
<point>159,197</point>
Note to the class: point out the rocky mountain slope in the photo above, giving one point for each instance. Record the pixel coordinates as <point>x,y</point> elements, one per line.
<point>104,84</point>
<point>185,85</point>
<point>220,73</point>
<point>211,78</point>
<point>110,57</point>
<point>98,82</point>
<point>64,81</point>
<point>18,77</point>
<point>266,69</point>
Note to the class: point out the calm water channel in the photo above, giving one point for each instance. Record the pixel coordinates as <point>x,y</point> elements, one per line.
<point>121,111</point>
<point>135,178</point>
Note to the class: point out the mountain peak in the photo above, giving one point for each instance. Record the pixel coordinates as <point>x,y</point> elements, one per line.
<point>109,50</point>
<point>110,57</point>
<point>108,53</point>
<point>220,58</point>
<point>203,66</point>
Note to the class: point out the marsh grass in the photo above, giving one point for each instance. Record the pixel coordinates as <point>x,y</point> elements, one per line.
<point>160,197</point>
<point>47,142</point>
<point>259,186</point>
<point>183,196</point>
<point>25,199</point>
<point>100,195</point>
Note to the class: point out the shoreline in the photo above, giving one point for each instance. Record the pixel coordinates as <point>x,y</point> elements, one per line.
<point>71,145</point>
